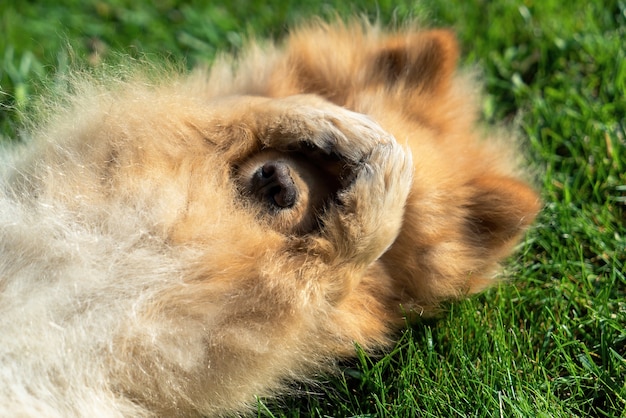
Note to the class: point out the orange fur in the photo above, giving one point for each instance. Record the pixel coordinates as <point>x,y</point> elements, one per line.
<point>138,276</point>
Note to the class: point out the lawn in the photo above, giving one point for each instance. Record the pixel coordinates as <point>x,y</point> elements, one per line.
<point>549,342</point>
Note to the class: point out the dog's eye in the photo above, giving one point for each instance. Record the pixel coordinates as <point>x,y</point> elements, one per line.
<point>272,183</point>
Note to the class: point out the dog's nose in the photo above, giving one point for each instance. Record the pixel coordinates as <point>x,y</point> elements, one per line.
<point>273,183</point>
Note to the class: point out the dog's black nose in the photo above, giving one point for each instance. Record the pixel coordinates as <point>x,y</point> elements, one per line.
<point>273,183</point>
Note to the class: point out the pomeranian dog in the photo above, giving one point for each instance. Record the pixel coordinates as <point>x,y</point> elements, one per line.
<point>177,245</point>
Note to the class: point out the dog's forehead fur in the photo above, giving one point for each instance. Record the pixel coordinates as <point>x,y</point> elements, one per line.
<point>134,281</point>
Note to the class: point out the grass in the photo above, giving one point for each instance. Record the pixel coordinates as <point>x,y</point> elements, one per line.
<point>552,341</point>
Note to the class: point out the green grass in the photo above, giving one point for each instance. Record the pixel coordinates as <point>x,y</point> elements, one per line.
<point>552,342</point>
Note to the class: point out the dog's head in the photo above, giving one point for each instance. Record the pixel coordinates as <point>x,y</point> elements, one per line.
<point>469,205</point>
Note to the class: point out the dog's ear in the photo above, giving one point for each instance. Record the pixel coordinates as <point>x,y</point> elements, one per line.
<point>459,256</point>
<point>499,209</point>
<point>424,61</point>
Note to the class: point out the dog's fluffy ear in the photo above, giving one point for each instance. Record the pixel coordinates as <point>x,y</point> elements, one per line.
<point>422,61</point>
<point>481,224</point>
<point>498,211</point>
<point>425,61</point>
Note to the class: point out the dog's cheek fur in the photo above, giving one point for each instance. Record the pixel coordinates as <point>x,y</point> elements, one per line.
<point>235,328</point>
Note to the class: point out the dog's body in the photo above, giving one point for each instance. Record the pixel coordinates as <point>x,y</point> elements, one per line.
<point>177,248</point>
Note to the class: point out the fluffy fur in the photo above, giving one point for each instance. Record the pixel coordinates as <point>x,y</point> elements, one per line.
<point>149,266</point>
